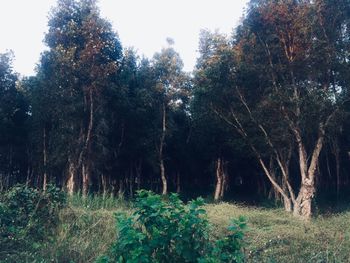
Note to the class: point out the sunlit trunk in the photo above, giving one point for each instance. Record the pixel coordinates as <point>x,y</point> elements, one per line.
<point>70,184</point>
<point>220,179</point>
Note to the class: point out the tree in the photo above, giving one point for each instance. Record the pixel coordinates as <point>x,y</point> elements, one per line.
<point>171,88</point>
<point>276,82</point>
<point>212,76</point>
<point>81,64</point>
<point>13,130</point>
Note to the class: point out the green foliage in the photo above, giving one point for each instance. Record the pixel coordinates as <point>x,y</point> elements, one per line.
<point>28,217</point>
<point>169,231</point>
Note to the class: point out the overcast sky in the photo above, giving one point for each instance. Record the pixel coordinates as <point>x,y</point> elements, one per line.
<point>145,25</point>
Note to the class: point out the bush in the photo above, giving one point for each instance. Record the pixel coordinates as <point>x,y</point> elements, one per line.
<point>28,217</point>
<point>170,231</point>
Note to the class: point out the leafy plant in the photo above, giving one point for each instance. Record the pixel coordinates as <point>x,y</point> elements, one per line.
<point>28,217</point>
<point>169,231</point>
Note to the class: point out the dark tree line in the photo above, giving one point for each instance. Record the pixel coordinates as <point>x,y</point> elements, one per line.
<point>264,114</point>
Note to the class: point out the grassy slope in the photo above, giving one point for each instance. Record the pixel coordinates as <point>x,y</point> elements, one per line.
<point>276,236</point>
<point>87,230</point>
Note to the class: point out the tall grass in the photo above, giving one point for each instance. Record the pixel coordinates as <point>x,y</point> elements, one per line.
<point>97,202</point>
<point>276,236</point>
<point>87,229</point>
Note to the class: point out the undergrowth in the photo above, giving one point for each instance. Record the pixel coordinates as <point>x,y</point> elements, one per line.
<point>84,229</point>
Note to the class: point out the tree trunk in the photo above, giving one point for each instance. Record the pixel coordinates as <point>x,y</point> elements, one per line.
<point>85,172</point>
<point>161,149</point>
<point>138,169</point>
<point>121,189</point>
<point>70,184</point>
<point>44,160</point>
<point>131,181</point>
<point>302,206</point>
<point>282,165</point>
<point>178,183</point>
<point>219,179</point>
<point>336,152</point>
<point>224,179</point>
<point>104,185</point>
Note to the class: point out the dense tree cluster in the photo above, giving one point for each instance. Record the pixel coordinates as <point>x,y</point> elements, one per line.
<point>264,114</point>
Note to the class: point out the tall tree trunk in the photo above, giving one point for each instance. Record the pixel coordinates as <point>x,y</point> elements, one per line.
<point>44,160</point>
<point>85,172</point>
<point>161,149</point>
<point>302,205</point>
<point>83,160</point>
<point>178,182</point>
<point>219,179</point>
<point>71,181</point>
<point>138,169</point>
<point>131,180</point>
<point>104,185</point>
<point>121,189</point>
<point>336,152</point>
<point>224,179</point>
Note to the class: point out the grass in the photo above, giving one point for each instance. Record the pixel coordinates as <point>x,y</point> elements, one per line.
<point>276,236</point>
<point>87,229</point>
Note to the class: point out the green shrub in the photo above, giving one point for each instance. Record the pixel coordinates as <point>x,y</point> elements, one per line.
<point>28,217</point>
<point>170,231</point>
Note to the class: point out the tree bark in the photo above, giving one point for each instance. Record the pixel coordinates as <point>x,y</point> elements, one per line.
<point>121,189</point>
<point>336,152</point>
<point>178,182</point>
<point>70,184</point>
<point>83,160</point>
<point>302,205</point>
<point>104,185</point>
<point>86,179</point>
<point>44,160</point>
<point>220,180</point>
<point>161,149</point>
<point>138,169</point>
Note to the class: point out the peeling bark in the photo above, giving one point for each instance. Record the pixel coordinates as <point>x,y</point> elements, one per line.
<point>221,179</point>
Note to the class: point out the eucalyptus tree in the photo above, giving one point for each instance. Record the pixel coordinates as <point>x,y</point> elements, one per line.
<point>81,64</point>
<point>298,61</point>
<point>211,77</point>
<point>170,93</point>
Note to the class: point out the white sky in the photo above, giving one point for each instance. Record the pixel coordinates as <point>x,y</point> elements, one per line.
<point>145,25</point>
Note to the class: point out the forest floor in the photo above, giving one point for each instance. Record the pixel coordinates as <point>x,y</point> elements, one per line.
<point>87,229</point>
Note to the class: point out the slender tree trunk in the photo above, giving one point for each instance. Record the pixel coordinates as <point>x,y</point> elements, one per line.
<point>131,181</point>
<point>224,179</point>
<point>83,160</point>
<point>161,149</point>
<point>121,189</point>
<point>336,152</point>
<point>138,168</point>
<point>70,184</point>
<point>86,179</point>
<point>219,179</point>
<point>104,185</point>
<point>44,160</point>
<point>178,182</point>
